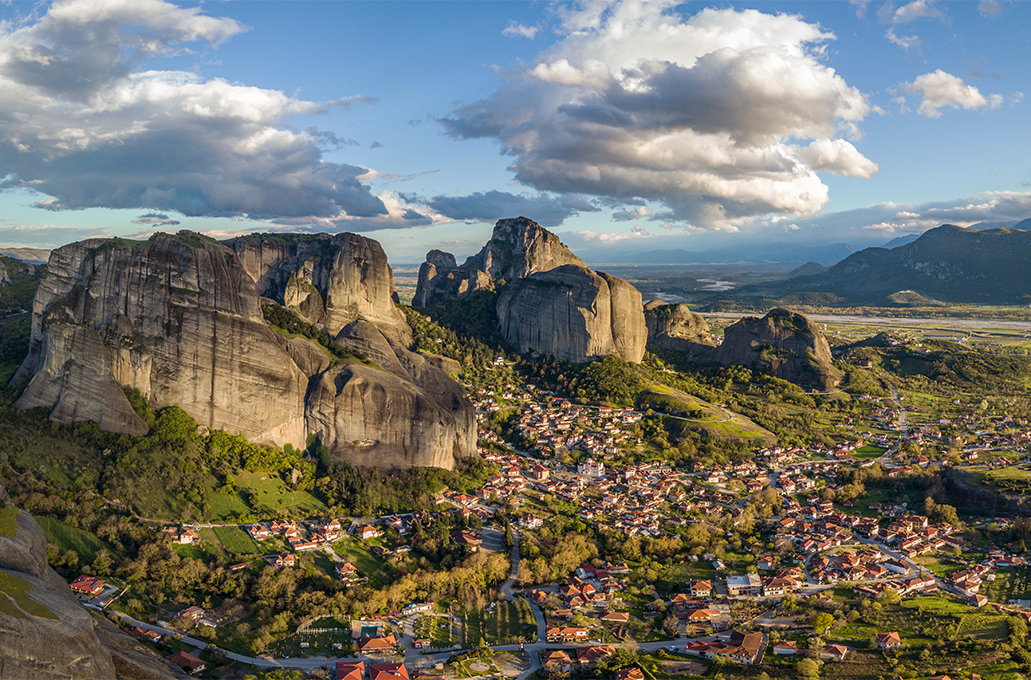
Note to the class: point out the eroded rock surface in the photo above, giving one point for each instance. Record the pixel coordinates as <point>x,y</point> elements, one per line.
<point>675,327</point>
<point>179,317</point>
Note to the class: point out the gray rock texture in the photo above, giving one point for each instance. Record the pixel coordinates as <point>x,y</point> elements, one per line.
<point>675,327</point>
<point>573,314</point>
<point>179,317</point>
<point>68,643</point>
<point>784,342</point>
<point>517,248</point>
<point>554,304</point>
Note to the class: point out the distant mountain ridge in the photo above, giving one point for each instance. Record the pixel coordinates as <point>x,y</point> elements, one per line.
<point>948,263</point>
<point>772,252</point>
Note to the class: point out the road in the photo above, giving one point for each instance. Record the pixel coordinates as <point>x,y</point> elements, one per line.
<point>945,324</point>
<point>902,411</point>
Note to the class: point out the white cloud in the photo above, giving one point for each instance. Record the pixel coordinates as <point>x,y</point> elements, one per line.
<point>906,42</point>
<point>631,213</point>
<point>839,157</point>
<point>88,126</point>
<point>487,206</point>
<point>989,8</point>
<point>636,102</point>
<point>518,30</point>
<point>918,9</point>
<point>940,89</point>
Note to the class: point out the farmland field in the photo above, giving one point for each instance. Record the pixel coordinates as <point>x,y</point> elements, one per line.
<point>236,541</point>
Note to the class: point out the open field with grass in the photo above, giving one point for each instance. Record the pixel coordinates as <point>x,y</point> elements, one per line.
<point>236,541</point>
<point>269,495</point>
<point>1012,583</point>
<point>85,544</point>
<point>507,623</point>
<point>869,452</point>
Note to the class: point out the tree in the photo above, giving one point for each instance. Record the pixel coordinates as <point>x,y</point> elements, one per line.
<point>808,668</point>
<point>889,596</point>
<point>821,622</point>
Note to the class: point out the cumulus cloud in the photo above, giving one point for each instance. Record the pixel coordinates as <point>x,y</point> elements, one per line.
<point>940,89</point>
<point>703,114</point>
<point>156,220</point>
<point>87,125</point>
<point>631,213</point>
<point>518,30</point>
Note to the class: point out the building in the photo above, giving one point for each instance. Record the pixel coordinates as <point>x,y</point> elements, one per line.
<point>350,671</point>
<point>889,640</point>
<point>186,661</point>
<point>87,585</point>
<point>377,644</point>
<point>747,584</point>
<point>388,671</point>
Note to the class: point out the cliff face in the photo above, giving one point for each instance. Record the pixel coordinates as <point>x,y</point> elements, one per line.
<point>574,314</point>
<point>784,342</point>
<point>554,304</point>
<point>517,248</point>
<point>675,327</point>
<point>45,634</point>
<point>179,317</point>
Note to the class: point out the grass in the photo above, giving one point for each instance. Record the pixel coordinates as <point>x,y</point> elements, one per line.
<point>65,537</point>
<point>222,507</point>
<point>8,523</point>
<point>1011,583</point>
<point>869,452</point>
<point>269,495</point>
<point>16,602</point>
<point>376,570</point>
<point>236,541</point>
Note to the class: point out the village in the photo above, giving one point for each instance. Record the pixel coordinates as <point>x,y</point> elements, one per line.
<point>729,607</point>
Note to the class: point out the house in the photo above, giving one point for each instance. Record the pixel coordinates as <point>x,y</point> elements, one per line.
<point>377,644</point>
<point>368,531</point>
<point>785,647</point>
<point>701,588</point>
<point>978,600</point>
<point>188,537</point>
<point>388,671</point>
<point>421,643</point>
<point>557,661</point>
<point>467,538</point>
<point>616,617</point>
<point>629,674</point>
<point>836,652</point>
<point>87,585</point>
<point>350,671</point>
<point>566,635</point>
<point>141,633</point>
<point>588,656</point>
<point>191,614</point>
<point>187,661</point>
<point>746,584</point>
<point>259,532</point>
<point>888,640</point>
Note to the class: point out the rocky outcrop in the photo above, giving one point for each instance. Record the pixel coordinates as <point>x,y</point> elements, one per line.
<point>675,327</point>
<point>785,343</point>
<point>554,304</point>
<point>180,318</point>
<point>573,314</point>
<point>518,247</point>
<point>45,634</point>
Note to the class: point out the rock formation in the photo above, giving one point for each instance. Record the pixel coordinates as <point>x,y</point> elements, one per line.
<point>180,318</point>
<point>517,248</point>
<point>45,633</point>
<point>675,327</point>
<point>783,342</point>
<point>554,304</point>
<point>574,314</point>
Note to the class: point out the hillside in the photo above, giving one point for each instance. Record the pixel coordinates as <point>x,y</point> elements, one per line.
<point>949,263</point>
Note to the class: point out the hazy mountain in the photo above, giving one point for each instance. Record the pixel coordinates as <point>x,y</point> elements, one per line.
<point>765,252</point>
<point>947,263</point>
<point>901,240</point>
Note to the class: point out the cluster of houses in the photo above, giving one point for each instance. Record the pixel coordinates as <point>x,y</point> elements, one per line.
<point>302,536</point>
<point>746,648</point>
<point>560,661</point>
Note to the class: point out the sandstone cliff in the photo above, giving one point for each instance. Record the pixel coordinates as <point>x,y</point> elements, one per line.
<point>554,304</point>
<point>45,634</point>
<point>574,314</point>
<point>180,318</point>
<point>786,343</point>
<point>675,327</point>
<point>517,248</point>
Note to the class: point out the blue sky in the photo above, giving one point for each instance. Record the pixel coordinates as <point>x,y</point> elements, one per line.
<point>623,126</point>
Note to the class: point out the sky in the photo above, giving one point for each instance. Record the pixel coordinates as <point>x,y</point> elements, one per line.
<point>622,125</point>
